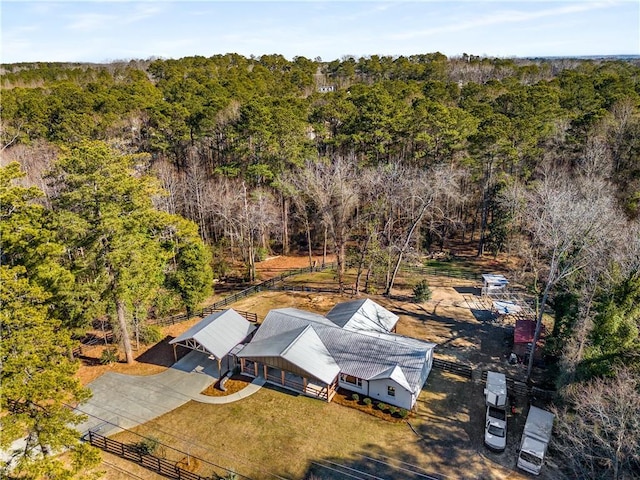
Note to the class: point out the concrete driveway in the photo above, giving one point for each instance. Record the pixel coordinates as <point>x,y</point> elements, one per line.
<point>126,401</point>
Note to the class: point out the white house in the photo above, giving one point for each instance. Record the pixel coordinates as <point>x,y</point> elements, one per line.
<point>314,355</point>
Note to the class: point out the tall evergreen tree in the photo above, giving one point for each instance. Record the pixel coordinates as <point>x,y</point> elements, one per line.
<point>118,240</point>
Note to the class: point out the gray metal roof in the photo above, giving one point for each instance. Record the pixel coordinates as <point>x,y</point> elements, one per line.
<point>395,373</point>
<point>301,347</point>
<point>219,332</point>
<point>363,314</point>
<point>365,355</point>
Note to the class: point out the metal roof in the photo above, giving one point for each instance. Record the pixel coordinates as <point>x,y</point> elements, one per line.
<point>494,279</point>
<point>302,347</point>
<point>395,373</point>
<point>364,355</point>
<point>363,315</point>
<point>219,332</point>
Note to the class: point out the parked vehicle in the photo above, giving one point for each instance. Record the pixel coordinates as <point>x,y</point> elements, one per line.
<point>495,430</point>
<point>535,440</point>
<point>496,390</point>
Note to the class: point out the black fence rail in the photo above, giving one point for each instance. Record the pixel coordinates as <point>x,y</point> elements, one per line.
<point>437,272</point>
<point>91,340</point>
<point>166,468</point>
<point>162,466</point>
<point>454,367</point>
<point>172,320</point>
<point>226,301</point>
<point>521,389</point>
<point>313,289</point>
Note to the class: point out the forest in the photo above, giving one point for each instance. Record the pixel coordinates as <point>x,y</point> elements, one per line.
<point>126,188</point>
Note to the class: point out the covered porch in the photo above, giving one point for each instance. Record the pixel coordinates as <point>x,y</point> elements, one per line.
<point>304,384</point>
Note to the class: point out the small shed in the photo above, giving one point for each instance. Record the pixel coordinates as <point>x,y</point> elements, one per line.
<point>216,334</point>
<point>523,337</point>
<point>493,284</point>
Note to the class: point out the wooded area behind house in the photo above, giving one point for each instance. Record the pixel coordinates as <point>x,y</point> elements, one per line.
<point>138,182</point>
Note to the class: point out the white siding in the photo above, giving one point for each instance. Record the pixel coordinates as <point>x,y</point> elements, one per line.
<point>378,390</point>
<point>354,388</point>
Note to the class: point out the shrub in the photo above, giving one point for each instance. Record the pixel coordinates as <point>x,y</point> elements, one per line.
<point>392,409</point>
<point>150,334</point>
<point>355,397</point>
<point>367,401</point>
<point>109,356</point>
<point>261,254</point>
<point>382,406</point>
<point>147,446</point>
<point>403,412</point>
<point>422,292</point>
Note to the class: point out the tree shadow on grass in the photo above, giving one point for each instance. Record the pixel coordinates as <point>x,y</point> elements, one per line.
<point>162,353</point>
<point>445,441</point>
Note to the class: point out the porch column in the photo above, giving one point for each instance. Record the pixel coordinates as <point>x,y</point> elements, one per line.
<point>282,376</point>
<point>304,384</point>
<point>175,354</point>
<point>266,372</point>
<point>219,367</point>
<point>255,368</point>
<point>242,365</point>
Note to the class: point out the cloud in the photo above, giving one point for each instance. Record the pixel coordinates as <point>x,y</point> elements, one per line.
<point>505,17</point>
<point>87,22</point>
<point>143,12</point>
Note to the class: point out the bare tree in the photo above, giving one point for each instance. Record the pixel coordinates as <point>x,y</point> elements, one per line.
<point>598,432</point>
<point>195,193</point>
<point>172,185</point>
<point>419,195</point>
<point>334,188</point>
<point>569,225</point>
<point>247,217</point>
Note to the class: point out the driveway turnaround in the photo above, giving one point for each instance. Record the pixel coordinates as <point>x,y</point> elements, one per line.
<point>124,401</point>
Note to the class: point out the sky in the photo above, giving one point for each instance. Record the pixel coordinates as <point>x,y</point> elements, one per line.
<point>105,31</point>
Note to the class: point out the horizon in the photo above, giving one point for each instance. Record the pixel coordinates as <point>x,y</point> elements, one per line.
<point>153,58</point>
<point>110,31</point>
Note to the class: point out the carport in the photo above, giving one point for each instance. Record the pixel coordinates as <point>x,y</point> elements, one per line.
<point>216,335</point>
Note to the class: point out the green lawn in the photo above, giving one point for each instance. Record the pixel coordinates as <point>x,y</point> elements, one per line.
<point>275,432</point>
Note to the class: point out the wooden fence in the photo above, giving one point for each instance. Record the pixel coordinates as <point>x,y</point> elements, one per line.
<point>454,367</point>
<point>521,389</point>
<point>91,340</point>
<point>162,466</point>
<point>437,272</point>
<point>172,320</point>
<point>226,301</point>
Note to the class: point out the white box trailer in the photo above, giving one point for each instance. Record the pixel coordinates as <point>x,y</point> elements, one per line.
<point>535,440</point>
<point>495,391</point>
<point>495,394</point>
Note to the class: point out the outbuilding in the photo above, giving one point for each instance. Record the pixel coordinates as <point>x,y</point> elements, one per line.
<point>216,335</point>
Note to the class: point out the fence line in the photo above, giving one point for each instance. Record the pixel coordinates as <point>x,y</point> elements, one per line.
<point>454,367</point>
<point>520,388</point>
<point>221,304</point>
<point>162,466</point>
<point>433,271</point>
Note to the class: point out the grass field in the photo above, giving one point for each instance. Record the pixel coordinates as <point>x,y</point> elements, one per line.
<point>275,432</point>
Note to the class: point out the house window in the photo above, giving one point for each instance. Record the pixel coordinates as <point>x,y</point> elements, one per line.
<point>391,391</point>
<point>352,380</point>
